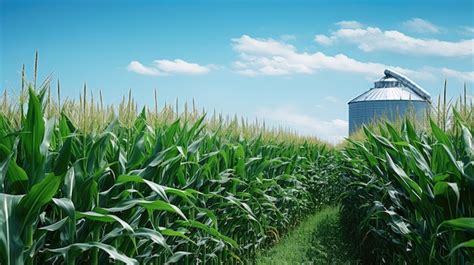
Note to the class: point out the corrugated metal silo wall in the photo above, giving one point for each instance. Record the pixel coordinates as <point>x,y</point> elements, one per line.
<point>364,112</point>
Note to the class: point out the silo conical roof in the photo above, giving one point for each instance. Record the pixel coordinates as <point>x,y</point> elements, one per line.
<point>393,86</point>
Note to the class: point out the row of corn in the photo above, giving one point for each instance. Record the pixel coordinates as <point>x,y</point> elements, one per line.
<point>143,193</point>
<point>409,195</point>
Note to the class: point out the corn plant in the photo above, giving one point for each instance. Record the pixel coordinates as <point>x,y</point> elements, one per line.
<point>410,193</point>
<point>81,184</point>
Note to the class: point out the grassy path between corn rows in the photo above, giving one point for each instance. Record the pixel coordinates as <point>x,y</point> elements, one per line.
<point>317,240</point>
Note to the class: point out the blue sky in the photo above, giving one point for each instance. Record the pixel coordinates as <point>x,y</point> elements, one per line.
<point>291,63</point>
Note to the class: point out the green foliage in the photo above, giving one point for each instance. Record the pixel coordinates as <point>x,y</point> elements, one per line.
<point>327,242</point>
<point>316,240</point>
<point>410,195</point>
<point>135,190</point>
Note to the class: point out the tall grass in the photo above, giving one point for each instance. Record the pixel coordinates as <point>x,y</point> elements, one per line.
<point>81,182</point>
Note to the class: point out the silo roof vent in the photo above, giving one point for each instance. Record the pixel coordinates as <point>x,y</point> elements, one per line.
<point>387,82</point>
<point>394,86</point>
<point>409,83</point>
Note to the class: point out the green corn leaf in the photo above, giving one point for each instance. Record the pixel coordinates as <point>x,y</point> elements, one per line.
<point>457,166</point>
<point>463,223</point>
<point>69,183</point>
<point>467,244</point>
<point>6,137</point>
<point>161,190</point>
<point>67,206</point>
<point>177,257</point>
<point>173,233</point>
<point>155,236</point>
<point>5,158</point>
<point>467,142</point>
<point>56,226</point>
<point>441,188</point>
<point>11,175</point>
<point>108,218</point>
<point>162,206</point>
<point>409,185</point>
<point>46,142</point>
<point>32,138</point>
<point>150,205</point>
<point>113,252</point>
<point>441,136</point>
<point>209,230</point>
<point>11,245</point>
<point>62,160</point>
<point>39,195</point>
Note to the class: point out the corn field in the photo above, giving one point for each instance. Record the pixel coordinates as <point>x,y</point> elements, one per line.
<point>82,185</point>
<point>409,195</point>
<point>88,183</point>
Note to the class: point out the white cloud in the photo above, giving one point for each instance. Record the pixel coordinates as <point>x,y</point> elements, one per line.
<point>332,131</point>
<point>249,45</point>
<point>462,76</point>
<point>323,39</point>
<point>139,68</point>
<point>421,26</point>
<point>179,66</point>
<point>168,67</point>
<point>349,24</point>
<point>374,39</point>
<point>271,57</point>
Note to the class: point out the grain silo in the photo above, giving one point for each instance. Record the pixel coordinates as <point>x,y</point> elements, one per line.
<point>391,97</point>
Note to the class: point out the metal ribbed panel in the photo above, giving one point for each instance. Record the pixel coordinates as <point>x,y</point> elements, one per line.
<point>365,112</point>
